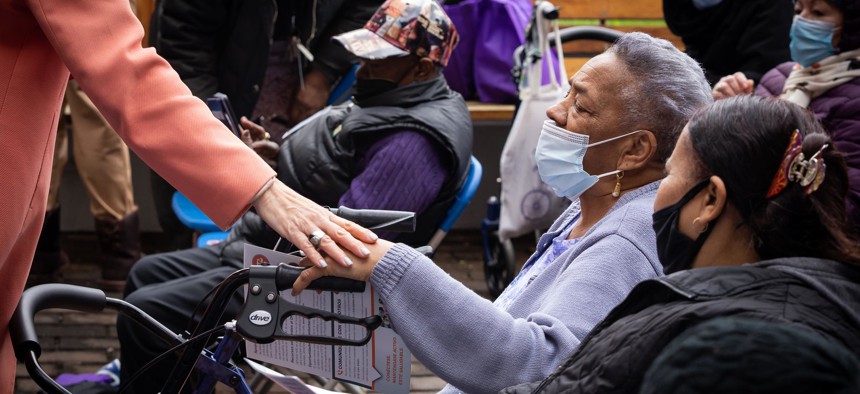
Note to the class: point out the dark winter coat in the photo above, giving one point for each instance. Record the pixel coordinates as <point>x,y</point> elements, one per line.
<point>750,36</point>
<point>223,46</point>
<point>838,109</point>
<point>819,295</point>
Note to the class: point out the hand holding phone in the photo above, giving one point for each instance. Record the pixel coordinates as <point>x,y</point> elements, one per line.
<point>258,139</point>
<point>219,104</point>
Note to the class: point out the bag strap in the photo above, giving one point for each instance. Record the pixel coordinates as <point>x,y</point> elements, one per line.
<point>557,72</point>
<point>559,52</point>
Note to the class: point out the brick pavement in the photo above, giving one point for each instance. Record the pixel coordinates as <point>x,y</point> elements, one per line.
<point>78,342</point>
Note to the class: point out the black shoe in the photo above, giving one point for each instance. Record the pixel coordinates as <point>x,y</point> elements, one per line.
<point>49,259</point>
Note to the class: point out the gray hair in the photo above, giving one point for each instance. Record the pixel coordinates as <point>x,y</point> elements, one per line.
<point>669,87</point>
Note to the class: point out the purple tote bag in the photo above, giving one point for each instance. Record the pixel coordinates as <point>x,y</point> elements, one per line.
<point>490,31</point>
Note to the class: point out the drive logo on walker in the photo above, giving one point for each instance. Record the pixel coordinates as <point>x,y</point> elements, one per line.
<point>381,365</point>
<point>260,260</point>
<point>260,318</point>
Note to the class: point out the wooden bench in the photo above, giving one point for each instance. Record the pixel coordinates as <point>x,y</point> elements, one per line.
<point>622,15</point>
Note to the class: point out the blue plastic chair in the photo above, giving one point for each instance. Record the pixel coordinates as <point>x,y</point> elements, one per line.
<point>464,197</point>
<point>213,238</point>
<point>193,218</point>
<point>342,91</point>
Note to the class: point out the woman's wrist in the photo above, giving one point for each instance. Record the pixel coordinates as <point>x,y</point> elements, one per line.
<point>391,268</point>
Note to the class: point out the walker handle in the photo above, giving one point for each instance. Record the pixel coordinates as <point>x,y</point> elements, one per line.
<point>376,219</point>
<point>37,298</point>
<point>287,274</point>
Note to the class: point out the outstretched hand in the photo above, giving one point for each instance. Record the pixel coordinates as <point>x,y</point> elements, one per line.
<point>732,85</point>
<point>361,270</point>
<point>295,217</point>
<point>257,139</point>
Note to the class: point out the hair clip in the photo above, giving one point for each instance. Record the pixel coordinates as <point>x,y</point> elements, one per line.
<point>794,167</point>
<point>808,173</point>
<point>780,181</point>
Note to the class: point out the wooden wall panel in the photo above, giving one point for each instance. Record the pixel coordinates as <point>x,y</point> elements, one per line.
<point>594,47</point>
<point>573,64</point>
<point>610,9</point>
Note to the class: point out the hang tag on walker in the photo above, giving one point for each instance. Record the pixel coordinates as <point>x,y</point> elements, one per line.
<point>383,364</point>
<point>290,383</point>
<point>255,255</point>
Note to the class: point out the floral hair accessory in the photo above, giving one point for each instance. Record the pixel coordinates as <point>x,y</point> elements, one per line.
<point>794,167</point>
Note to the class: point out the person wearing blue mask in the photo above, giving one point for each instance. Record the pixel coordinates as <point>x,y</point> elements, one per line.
<point>604,147</point>
<point>823,77</point>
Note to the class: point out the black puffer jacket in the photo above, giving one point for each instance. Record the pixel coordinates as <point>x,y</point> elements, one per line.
<point>223,45</point>
<point>750,36</point>
<point>320,164</point>
<point>821,295</point>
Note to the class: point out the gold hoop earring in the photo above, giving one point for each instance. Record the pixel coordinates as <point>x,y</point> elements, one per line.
<point>617,192</point>
<point>703,230</point>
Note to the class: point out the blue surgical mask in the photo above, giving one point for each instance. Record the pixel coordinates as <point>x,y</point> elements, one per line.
<point>559,157</point>
<point>811,41</point>
<point>705,4</point>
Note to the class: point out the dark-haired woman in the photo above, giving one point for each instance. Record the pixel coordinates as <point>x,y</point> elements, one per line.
<point>756,206</point>
<point>823,76</point>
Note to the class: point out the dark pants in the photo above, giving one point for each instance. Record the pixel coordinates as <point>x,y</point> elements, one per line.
<point>178,234</point>
<point>168,287</point>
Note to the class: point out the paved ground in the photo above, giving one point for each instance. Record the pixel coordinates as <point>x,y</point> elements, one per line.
<point>80,342</point>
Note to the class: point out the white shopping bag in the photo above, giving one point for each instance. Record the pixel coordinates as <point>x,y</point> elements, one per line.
<point>528,203</point>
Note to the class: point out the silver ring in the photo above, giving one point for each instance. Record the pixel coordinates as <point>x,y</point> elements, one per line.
<point>316,237</point>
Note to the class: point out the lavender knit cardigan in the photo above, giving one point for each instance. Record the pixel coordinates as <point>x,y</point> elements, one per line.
<point>479,348</point>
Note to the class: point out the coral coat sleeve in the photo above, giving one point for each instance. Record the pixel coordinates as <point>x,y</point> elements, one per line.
<point>138,93</point>
<point>150,108</point>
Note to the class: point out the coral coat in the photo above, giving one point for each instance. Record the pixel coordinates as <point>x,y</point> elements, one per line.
<point>138,93</point>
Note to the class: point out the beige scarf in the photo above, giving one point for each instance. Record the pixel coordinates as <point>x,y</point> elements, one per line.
<point>805,84</point>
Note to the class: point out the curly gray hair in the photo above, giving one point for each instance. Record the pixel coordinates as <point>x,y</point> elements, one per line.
<point>670,86</point>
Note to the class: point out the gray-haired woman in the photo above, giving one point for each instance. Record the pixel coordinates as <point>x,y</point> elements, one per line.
<point>620,120</point>
<point>750,223</point>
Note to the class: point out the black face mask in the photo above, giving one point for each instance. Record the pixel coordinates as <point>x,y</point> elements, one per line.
<point>367,88</point>
<point>676,250</point>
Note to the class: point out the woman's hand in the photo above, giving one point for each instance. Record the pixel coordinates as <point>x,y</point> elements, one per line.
<point>296,218</point>
<point>257,139</point>
<point>360,270</point>
<point>732,85</point>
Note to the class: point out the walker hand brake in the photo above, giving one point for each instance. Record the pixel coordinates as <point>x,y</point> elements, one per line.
<point>264,312</point>
<point>369,323</point>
